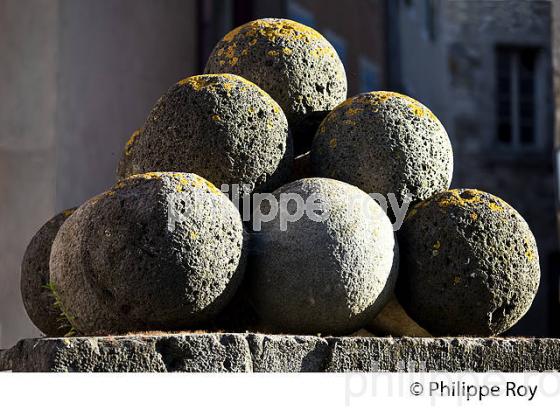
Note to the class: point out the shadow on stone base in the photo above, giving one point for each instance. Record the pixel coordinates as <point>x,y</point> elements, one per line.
<point>249,352</point>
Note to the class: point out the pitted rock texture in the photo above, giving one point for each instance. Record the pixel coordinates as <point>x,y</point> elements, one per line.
<point>36,291</point>
<point>248,352</point>
<point>328,274</point>
<point>384,142</point>
<point>469,264</point>
<point>157,251</point>
<point>124,168</point>
<point>295,64</point>
<point>221,127</point>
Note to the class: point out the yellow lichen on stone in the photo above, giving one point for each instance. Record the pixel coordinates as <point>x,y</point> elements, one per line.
<point>67,212</point>
<point>332,143</point>
<point>269,124</point>
<point>229,53</point>
<point>436,245</point>
<point>229,37</point>
<point>183,181</point>
<point>224,81</point>
<point>418,109</point>
<point>529,254</point>
<point>194,235</point>
<point>196,82</point>
<point>319,52</point>
<point>216,118</point>
<point>209,81</point>
<point>453,198</point>
<point>495,207</point>
<point>198,182</point>
<point>380,97</point>
<point>228,86</point>
<point>528,251</point>
<point>473,216</point>
<point>351,112</point>
<point>131,141</point>
<point>456,280</point>
<point>146,175</point>
<point>273,30</point>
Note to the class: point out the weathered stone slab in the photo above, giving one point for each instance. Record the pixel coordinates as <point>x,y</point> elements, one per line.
<point>444,354</point>
<point>272,353</point>
<point>249,352</point>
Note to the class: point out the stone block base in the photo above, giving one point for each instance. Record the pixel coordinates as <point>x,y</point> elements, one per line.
<point>250,352</point>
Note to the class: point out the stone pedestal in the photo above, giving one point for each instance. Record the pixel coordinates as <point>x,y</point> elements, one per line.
<point>249,352</point>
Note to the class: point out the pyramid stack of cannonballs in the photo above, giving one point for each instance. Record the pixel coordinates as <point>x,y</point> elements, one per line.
<point>317,250</point>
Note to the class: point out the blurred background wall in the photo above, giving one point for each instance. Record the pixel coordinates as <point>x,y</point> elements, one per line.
<point>484,67</point>
<point>77,77</point>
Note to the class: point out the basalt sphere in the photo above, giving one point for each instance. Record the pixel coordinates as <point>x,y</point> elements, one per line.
<point>295,64</point>
<point>124,168</point>
<point>221,127</point>
<point>384,142</point>
<point>159,251</point>
<point>330,269</point>
<point>469,264</point>
<point>38,294</point>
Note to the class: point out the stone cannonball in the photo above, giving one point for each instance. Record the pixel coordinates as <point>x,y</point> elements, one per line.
<point>384,142</point>
<point>469,264</point>
<point>36,288</point>
<point>327,271</point>
<point>221,127</point>
<point>124,168</point>
<point>295,64</point>
<point>158,251</point>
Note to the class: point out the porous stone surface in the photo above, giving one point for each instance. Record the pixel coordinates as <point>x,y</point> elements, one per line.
<point>469,264</point>
<point>248,352</point>
<point>36,293</point>
<point>125,168</point>
<point>295,64</point>
<point>221,127</point>
<point>384,142</point>
<point>158,250</point>
<point>328,274</point>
